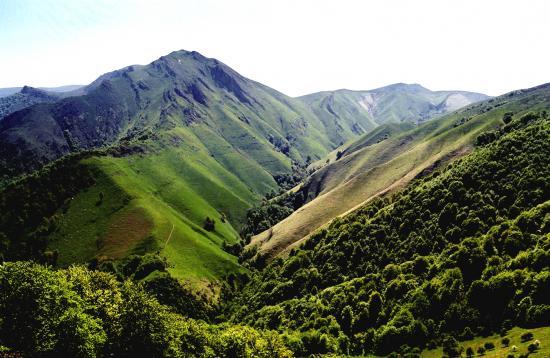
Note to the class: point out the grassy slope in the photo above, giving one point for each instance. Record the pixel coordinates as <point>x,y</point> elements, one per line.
<point>372,170</point>
<point>542,334</point>
<point>146,195</point>
<point>340,111</point>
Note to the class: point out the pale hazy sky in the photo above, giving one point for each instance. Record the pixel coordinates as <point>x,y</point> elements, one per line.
<point>294,46</point>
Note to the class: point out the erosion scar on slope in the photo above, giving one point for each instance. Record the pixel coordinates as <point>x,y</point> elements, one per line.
<point>169,236</point>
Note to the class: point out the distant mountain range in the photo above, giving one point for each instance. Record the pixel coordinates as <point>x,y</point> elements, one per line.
<point>60,89</point>
<point>399,102</point>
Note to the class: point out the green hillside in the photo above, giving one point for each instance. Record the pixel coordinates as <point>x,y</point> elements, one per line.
<point>462,251</point>
<point>156,199</point>
<point>368,168</point>
<point>182,89</point>
<point>514,346</point>
<point>191,140</point>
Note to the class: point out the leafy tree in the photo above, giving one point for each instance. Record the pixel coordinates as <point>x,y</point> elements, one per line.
<point>451,348</point>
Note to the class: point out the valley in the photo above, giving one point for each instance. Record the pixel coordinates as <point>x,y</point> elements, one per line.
<point>179,208</point>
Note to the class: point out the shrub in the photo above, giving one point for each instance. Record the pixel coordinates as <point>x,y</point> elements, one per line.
<point>469,352</point>
<point>505,342</point>
<point>532,347</point>
<point>489,345</point>
<point>451,347</point>
<point>526,336</point>
<point>507,118</point>
<point>481,351</point>
<point>209,224</point>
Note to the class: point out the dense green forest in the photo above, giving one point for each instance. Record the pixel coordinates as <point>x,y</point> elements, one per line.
<point>77,312</point>
<point>462,251</point>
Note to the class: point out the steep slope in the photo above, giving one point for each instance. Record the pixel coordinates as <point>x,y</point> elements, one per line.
<point>394,103</point>
<point>463,251</point>
<point>367,170</point>
<point>183,89</point>
<point>27,97</point>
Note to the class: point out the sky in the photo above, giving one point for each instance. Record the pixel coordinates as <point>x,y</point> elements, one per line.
<point>294,46</point>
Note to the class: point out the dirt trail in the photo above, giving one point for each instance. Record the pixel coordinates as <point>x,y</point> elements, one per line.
<point>169,236</point>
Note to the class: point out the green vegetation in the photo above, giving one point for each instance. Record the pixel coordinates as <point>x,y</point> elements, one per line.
<point>462,251</point>
<point>371,167</point>
<point>82,313</point>
<point>414,239</point>
<point>515,347</point>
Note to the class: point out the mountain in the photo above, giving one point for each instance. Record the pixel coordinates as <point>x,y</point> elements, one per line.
<point>8,91</point>
<point>60,89</point>
<point>399,102</point>
<point>385,160</point>
<point>163,150</point>
<point>17,98</point>
<point>185,85</point>
<point>165,157</point>
<point>183,89</point>
<point>27,97</point>
<point>138,194</point>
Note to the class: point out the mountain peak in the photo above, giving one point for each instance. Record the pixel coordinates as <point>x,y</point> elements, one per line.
<point>31,90</point>
<point>405,87</point>
<point>180,54</point>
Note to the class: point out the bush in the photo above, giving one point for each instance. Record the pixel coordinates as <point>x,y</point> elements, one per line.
<point>469,352</point>
<point>526,336</point>
<point>82,313</point>
<point>481,351</point>
<point>489,345</point>
<point>505,342</point>
<point>507,118</point>
<point>451,347</point>
<point>532,347</point>
<point>209,224</point>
